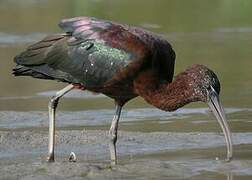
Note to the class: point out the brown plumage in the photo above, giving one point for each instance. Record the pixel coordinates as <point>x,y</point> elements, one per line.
<point>122,62</point>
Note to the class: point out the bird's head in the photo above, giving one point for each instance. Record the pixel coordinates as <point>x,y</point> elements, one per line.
<point>203,82</point>
<point>203,85</point>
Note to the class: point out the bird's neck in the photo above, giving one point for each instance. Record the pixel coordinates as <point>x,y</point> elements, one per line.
<point>165,96</point>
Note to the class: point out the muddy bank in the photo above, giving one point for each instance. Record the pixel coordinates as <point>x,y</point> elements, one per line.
<point>141,155</point>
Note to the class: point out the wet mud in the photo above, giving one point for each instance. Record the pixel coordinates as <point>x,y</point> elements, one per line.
<point>141,155</point>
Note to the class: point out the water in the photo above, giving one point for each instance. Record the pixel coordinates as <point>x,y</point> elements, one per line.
<point>217,34</point>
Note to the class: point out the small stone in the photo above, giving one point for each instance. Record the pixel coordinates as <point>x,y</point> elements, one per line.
<point>72,157</point>
<point>217,158</point>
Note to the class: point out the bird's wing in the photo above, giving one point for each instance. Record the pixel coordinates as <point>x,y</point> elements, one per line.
<point>92,52</point>
<point>104,51</point>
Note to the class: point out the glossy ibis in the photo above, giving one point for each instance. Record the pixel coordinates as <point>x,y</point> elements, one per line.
<point>122,62</point>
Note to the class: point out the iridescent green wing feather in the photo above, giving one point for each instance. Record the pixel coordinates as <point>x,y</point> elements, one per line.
<point>92,53</point>
<point>102,50</point>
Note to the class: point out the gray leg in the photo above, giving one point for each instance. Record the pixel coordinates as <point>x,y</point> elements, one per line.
<point>52,108</point>
<point>113,134</point>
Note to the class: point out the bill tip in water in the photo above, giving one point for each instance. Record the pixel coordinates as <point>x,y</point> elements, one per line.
<point>218,110</point>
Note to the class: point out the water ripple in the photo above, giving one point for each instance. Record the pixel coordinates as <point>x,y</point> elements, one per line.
<point>14,119</point>
<point>73,94</point>
<point>13,39</point>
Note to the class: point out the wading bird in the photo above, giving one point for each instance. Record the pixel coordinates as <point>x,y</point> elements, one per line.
<point>122,62</point>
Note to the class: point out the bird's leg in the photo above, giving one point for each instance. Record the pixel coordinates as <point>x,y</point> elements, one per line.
<point>52,108</point>
<point>113,135</point>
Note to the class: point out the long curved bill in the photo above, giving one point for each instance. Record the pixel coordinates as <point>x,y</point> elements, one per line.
<point>216,107</point>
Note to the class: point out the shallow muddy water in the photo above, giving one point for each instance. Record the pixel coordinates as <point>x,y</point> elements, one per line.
<point>185,144</point>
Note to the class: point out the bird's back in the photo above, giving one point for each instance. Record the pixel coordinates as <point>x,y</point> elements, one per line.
<point>97,53</point>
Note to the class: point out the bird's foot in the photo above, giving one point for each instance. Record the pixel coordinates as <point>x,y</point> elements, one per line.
<point>228,159</point>
<point>113,162</point>
<point>50,159</point>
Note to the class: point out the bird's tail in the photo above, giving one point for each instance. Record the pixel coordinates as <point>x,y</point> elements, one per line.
<point>20,70</point>
<point>32,62</point>
<point>37,53</point>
